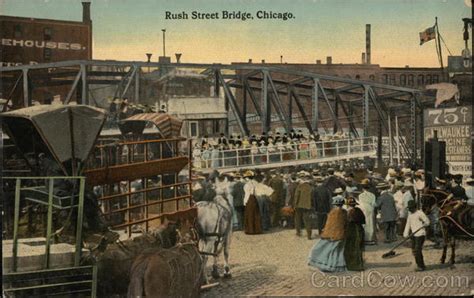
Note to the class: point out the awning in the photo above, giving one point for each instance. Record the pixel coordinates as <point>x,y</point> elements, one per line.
<point>64,132</point>
<point>167,125</point>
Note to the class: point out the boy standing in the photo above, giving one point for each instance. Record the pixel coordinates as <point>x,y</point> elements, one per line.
<point>417,222</point>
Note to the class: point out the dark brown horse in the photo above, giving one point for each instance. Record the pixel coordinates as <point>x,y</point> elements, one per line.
<point>115,260</point>
<point>175,272</point>
<point>455,219</point>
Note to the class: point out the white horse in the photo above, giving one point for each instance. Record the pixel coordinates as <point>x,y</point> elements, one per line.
<point>214,225</point>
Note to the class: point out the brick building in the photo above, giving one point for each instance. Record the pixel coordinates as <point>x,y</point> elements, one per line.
<point>31,40</point>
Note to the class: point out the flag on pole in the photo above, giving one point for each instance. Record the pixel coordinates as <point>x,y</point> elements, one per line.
<point>427,35</point>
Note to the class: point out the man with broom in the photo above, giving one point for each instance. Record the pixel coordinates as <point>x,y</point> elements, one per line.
<point>417,222</point>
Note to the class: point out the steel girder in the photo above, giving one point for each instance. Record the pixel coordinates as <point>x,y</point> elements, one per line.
<point>73,87</point>
<point>277,103</point>
<point>301,109</point>
<point>216,66</point>
<point>233,105</point>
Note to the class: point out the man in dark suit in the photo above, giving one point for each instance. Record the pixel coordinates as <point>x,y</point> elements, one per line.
<point>333,182</point>
<point>322,200</point>
<point>277,198</point>
<point>386,204</point>
<point>222,140</point>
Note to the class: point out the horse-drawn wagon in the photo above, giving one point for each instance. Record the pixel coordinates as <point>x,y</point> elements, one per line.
<point>110,190</point>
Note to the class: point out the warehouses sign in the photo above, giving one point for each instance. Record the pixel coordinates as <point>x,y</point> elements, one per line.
<point>454,126</point>
<point>42,44</point>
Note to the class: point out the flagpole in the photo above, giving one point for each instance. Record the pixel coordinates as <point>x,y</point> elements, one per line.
<point>439,47</point>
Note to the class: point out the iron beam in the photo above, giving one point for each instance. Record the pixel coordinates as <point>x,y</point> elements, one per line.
<point>277,103</point>
<point>130,79</point>
<point>331,110</point>
<point>212,66</point>
<point>347,88</point>
<point>26,100</point>
<point>73,87</point>
<point>301,108</point>
<point>247,88</point>
<point>137,85</point>
<point>349,117</point>
<point>365,111</point>
<point>315,106</point>
<point>233,104</point>
<point>266,111</point>
<point>84,93</point>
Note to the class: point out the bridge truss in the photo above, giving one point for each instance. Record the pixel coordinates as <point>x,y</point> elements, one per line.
<point>271,92</point>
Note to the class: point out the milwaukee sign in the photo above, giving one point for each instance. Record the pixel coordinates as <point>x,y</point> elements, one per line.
<point>42,44</point>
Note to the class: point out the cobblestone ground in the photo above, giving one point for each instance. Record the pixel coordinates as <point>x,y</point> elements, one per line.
<point>275,263</point>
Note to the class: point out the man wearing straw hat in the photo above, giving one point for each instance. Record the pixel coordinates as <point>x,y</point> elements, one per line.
<point>407,197</point>
<point>302,204</point>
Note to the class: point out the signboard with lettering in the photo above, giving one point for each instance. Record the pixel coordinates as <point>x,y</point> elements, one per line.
<point>454,126</point>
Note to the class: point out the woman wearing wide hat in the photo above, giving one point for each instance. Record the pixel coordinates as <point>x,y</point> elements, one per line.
<point>354,245</point>
<point>328,253</point>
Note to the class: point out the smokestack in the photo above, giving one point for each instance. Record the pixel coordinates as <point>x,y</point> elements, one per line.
<point>178,57</point>
<point>367,43</point>
<point>86,12</point>
<point>363,58</point>
<point>318,61</point>
<point>328,60</point>
<point>250,60</point>
<point>263,61</point>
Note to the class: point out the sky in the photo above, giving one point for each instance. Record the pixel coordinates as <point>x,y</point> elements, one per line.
<point>127,29</point>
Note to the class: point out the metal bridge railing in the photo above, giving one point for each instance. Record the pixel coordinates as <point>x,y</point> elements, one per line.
<point>130,152</point>
<point>266,155</point>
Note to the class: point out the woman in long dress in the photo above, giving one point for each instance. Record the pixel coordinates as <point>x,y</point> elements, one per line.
<point>367,205</point>
<point>252,218</point>
<point>328,253</point>
<point>354,246</point>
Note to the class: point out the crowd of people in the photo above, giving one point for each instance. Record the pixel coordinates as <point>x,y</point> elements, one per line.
<point>346,212</point>
<point>264,148</point>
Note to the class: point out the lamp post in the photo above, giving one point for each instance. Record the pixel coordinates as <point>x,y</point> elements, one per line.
<point>164,52</point>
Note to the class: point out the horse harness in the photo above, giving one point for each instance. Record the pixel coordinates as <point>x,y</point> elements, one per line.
<point>216,234</point>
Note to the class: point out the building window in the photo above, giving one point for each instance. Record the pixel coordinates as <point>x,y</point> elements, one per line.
<point>403,80</point>
<point>435,79</point>
<point>421,80</point>
<point>428,79</point>
<point>18,31</point>
<point>357,77</point>
<point>47,33</point>
<point>216,128</point>
<point>385,79</point>
<point>193,129</point>
<point>411,80</point>
<point>47,54</point>
<point>392,79</point>
<point>372,77</point>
